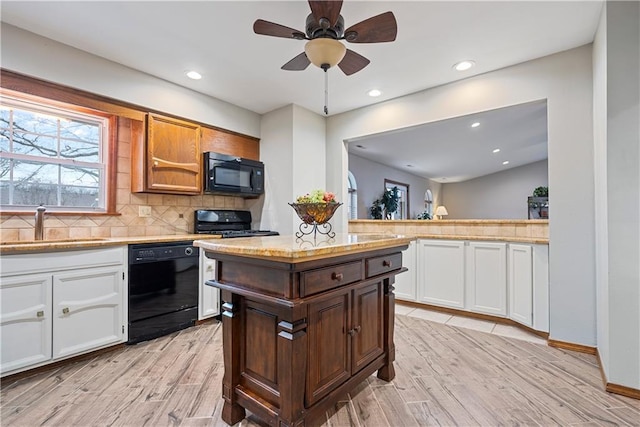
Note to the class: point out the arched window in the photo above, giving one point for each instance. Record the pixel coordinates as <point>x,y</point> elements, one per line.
<point>352,191</point>
<point>428,202</point>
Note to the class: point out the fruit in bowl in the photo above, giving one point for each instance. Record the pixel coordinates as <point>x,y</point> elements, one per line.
<point>317,196</point>
<point>316,207</point>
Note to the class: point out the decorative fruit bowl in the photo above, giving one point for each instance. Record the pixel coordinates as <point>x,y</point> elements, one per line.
<point>315,217</point>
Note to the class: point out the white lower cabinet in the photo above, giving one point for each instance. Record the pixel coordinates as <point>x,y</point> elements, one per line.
<point>405,285</point>
<point>486,278</point>
<point>208,296</point>
<point>441,270</point>
<point>500,279</point>
<point>521,284</point>
<point>60,304</point>
<point>25,320</point>
<point>87,310</point>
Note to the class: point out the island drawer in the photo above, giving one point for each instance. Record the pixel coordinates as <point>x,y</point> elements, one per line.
<point>323,279</point>
<point>383,264</point>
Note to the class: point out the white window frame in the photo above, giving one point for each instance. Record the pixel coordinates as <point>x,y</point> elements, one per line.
<point>352,191</point>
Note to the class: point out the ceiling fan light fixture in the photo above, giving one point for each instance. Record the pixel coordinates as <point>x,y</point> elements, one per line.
<point>323,51</point>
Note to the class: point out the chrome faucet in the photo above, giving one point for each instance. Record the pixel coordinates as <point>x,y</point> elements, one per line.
<point>39,229</point>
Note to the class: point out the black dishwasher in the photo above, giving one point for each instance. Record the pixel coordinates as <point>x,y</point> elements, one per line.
<point>163,289</point>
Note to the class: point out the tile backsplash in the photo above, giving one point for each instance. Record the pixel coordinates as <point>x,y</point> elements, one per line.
<point>170,214</point>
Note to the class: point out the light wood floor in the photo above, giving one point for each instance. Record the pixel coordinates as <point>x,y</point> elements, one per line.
<point>446,375</point>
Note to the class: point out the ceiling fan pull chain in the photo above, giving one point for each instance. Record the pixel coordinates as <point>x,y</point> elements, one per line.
<point>326,92</point>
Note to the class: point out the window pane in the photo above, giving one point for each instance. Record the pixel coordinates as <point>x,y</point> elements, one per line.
<point>79,150</point>
<point>4,142</point>
<point>35,122</point>
<point>4,192</point>
<point>5,117</point>
<point>29,194</point>
<point>79,196</point>
<point>71,175</point>
<point>73,129</point>
<point>35,145</point>
<point>36,173</point>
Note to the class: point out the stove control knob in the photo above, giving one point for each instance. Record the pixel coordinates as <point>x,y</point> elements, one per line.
<point>188,251</point>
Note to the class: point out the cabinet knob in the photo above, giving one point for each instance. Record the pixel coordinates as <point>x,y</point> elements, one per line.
<point>65,310</point>
<point>386,263</point>
<point>155,163</point>
<point>40,313</point>
<point>354,331</point>
<point>336,276</point>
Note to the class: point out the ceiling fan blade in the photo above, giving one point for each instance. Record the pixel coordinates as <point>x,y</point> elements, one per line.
<point>329,9</point>
<point>267,28</point>
<point>377,29</point>
<point>352,62</point>
<point>298,63</point>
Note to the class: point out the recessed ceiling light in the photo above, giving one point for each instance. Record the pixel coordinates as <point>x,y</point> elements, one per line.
<point>194,75</point>
<point>374,92</point>
<point>497,150</point>
<point>475,124</point>
<point>506,162</point>
<point>464,65</point>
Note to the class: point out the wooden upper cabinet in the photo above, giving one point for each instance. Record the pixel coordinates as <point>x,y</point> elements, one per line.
<point>230,143</point>
<point>170,158</point>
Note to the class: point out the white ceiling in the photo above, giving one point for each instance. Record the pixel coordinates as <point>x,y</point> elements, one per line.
<point>167,38</point>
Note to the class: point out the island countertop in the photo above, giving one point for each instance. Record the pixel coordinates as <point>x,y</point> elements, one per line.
<point>290,248</point>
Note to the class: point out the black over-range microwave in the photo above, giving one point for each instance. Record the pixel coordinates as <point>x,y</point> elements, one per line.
<point>226,174</point>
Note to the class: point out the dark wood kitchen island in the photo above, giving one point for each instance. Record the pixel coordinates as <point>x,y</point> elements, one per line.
<point>304,321</point>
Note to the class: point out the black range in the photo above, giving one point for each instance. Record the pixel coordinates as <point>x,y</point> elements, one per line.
<point>227,223</point>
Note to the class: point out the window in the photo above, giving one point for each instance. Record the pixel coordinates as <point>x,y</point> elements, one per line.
<point>352,191</point>
<point>52,156</point>
<point>428,202</point>
<point>403,198</point>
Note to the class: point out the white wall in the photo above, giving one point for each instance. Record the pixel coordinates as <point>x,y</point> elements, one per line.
<point>617,137</point>
<point>36,56</point>
<point>600,185</point>
<point>293,150</point>
<point>500,195</point>
<point>565,81</point>
<point>370,178</point>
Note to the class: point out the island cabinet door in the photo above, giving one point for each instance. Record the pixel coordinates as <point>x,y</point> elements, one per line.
<point>329,345</point>
<point>366,326</point>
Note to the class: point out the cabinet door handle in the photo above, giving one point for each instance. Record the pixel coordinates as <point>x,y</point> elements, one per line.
<point>386,263</point>
<point>40,313</point>
<point>337,276</point>
<point>354,331</point>
<point>156,163</point>
<point>65,310</point>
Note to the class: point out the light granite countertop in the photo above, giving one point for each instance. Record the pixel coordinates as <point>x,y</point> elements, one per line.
<point>535,240</point>
<point>34,246</point>
<point>289,248</point>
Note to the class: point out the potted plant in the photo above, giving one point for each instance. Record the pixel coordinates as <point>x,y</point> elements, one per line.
<point>386,205</point>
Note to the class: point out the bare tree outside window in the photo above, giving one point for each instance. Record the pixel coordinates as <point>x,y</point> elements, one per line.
<point>51,156</point>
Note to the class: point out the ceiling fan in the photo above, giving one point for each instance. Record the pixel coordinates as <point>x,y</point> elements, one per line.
<point>324,29</point>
